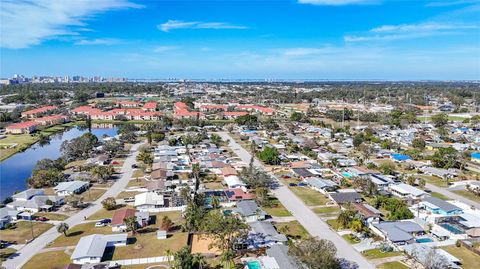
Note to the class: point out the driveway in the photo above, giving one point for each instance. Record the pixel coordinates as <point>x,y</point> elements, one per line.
<point>34,247</point>
<point>312,223</point>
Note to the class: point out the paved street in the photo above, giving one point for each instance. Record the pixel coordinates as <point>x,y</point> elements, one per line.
<point>312,223</point>
<point>452,195</point>
<point>34,247</point>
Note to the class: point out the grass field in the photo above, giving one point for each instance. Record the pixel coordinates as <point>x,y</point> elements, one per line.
<point>144,246</point>
<point>327,210</point>
<point>52,216</point>
<point>23,231</point>
<point>75,233</point>
<point>276,209</point>
<point>469,259</point>
<point>434,180</point>
<point>48,260</point>
<point>392,265</point>
<point>92,194</point>
<point>377,254</point>
<point>308,196</point>
<point>23,142</point>
<point>333,224</point>
<point>292,229</point>
<point>469,195</point>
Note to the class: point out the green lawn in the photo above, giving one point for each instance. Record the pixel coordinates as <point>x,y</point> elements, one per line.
<point>309,196</point>
<point>23,142</point>
<point>276,209</point>
<point>292,229</point>
<point>434,180</point>
<point>52,216</point>
<point>75,233</point>
<point>328,210</point>
<point>144,246</point>
<point>469,195</point>
<point>23,231</point>
<point>92,194</point>
<point>377,254</point>
<point>333,224</point>
<point>48,260</point>
<point>439,196</point>
<point>392,265</point>
<point>468,259</point>
<point>350,239</point>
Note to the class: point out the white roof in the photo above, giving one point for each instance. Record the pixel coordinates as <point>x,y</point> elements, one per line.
<point>94,245</point>
<point>70,186</point>
<point>407,189</point>
<point>149,198</point>
<point>232,181</point>
<point>269,263</point>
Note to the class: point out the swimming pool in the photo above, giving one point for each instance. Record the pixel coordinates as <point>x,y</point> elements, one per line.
<point>423,240</point>
<point>451,228</point>
<point>254,265</point>
<point>346,174</point>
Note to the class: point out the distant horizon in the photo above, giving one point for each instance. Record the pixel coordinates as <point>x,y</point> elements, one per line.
<point>387,40</point>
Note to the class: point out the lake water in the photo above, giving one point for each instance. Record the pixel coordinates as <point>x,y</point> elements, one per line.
<point>15,170</point>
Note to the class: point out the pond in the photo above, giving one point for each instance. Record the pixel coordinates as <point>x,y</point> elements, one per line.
<point>15,170</point>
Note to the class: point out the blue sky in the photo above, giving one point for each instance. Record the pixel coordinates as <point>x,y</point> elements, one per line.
<point>304,39</point>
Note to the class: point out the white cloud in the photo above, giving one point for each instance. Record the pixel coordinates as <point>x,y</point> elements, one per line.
<point>336,2</point>
<point>177,24</point>
<point>97,41</point>
<point>294,52</point>
<point>409,31</point>
<point>27,23</point>
<point>161,49</point>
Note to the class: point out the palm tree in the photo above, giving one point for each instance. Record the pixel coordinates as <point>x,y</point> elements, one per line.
<point>63,228</point>
<point>196,175</point>
<point>226,258</point>
<point>131,223</point>
<point>199,260</point>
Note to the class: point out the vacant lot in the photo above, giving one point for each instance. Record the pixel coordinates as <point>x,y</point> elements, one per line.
<point>92,194</point>
<point>22,231</point>
<point>308,196</point>
<point>292,229</point>
<point>143,246</point>
<point>75,233</point>
<point>469,259</point>
<point>48,260</point>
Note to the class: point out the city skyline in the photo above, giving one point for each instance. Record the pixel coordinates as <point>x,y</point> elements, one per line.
<point>306,39</point>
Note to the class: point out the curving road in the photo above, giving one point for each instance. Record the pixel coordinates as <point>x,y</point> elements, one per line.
<point>312,223</point>
<point>34,247</point>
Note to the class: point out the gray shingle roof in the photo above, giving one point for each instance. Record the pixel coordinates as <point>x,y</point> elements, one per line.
<point>267,230</point>
<point>280,253</point>
<point>248,208</point>
<point>398,231</point>
<point>441,204</point>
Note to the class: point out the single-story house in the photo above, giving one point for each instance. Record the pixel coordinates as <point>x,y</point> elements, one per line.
<point>71,187</point>
<point>438,172</point>
<point>322,185</point>
<point>149,201</point>
<point>263,234</point>
<point>27,194</point>
<point>7,215</point>
<point>90,248</point>
<point>249,211</point>
<point>119,216</point>
<point>37,203</point>
<point>423,254</point>
<point>399,157</point>
<point>280,253</point>
<point>397,232</point>
<point>439,206</point>
<point>234,182</point>
<point>403,190</point>
<point>234,195</point>
<point>345,197</point>
<point>367,212</point>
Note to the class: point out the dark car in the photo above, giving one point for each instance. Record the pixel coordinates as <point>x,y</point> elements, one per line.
<point>106,220</point>
<point>292,184</point>
<point>41,219</point>
<point>302,184</point>
<point>134,166</point>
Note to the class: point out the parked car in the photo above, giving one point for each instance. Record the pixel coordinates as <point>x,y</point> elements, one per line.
<point>292,184</point>
<point>134,166</point>
<point>301,184</point>
<point>40,218</point>
<point>106,221</point>
<point>100,224</point>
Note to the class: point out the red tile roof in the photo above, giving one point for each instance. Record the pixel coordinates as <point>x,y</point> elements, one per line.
<point>22,125</point>
<point>39,110</point>
<point>238,195</point>
<point>150,105</point>
<point>121,214</point>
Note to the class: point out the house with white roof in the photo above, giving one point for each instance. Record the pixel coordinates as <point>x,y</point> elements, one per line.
<point>70,187</point>
<point>90,248</point>
<point>149,201</point>
<point>234,182</point>
<point>403,190</point>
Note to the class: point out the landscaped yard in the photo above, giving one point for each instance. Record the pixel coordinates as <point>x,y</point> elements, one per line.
<point>468,259</point>
<point>291,229</point>
<point>351,239</point>
<point>48,260</point>
<point>51,216</point>
<point>23,141</point>
<point>75,233</point>
<point>333,224</point>
<point>377,254</point>
<point>5,253</point>
<point>308,196</point>
<point>469,195</point>
<point>276,209</point>
<point>23,231</point>
<point>143,246</point>
<point>392,265</point>
<point>327,210</point>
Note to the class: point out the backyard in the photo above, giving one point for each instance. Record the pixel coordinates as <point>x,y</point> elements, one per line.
<point>468,259</point>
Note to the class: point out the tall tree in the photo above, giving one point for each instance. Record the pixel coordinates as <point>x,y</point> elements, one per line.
<point>63,228</point>
<point>314,253</point>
